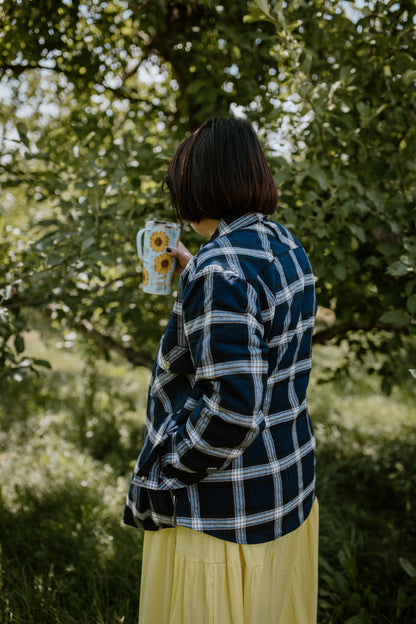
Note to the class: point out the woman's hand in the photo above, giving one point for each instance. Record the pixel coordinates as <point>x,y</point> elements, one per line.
<point>182,256</point>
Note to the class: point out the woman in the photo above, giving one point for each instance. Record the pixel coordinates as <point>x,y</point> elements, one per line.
<point>225,483</point>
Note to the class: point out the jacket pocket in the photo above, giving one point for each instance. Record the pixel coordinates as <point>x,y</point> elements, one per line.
<point>172,381</point>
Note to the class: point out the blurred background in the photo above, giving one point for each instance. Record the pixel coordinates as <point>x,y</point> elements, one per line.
<point>95,96</point>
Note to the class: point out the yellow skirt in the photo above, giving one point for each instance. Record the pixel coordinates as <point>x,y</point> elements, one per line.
<point>189,577</point>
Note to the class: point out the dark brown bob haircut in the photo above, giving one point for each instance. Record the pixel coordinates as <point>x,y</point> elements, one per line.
<point>220,170</point>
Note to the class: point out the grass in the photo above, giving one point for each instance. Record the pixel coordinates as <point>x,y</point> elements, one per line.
<point>68,440</point>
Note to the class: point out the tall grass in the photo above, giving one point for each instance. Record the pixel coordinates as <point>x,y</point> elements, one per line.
<point>69,438</point>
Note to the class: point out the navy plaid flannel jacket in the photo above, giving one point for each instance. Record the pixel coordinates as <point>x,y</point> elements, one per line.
<point>229,448</point>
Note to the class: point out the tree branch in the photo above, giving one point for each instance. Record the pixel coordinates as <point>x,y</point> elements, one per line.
<point>109,344</point>
<point>106,342</point>
<point>341,329</point>
<point>122,92</point>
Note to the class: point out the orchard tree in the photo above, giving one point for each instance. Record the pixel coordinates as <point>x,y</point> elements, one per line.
<point>97,95</point>
<point>100,95</point>
<point>349,190</point>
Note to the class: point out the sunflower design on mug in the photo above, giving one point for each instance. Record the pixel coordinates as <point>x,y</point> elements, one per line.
<point>163,264</point>
<point>152,242</point>
<point>145,276</point>
<point>159,241</point>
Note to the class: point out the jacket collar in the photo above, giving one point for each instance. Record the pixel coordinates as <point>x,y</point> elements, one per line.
<point>231,223</point>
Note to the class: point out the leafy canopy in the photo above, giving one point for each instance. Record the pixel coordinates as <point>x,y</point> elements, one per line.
<point>97,95</point>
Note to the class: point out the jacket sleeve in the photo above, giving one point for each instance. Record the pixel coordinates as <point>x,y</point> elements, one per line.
<point>224,332</point>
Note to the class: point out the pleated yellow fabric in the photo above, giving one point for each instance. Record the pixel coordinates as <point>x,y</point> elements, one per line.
<point>189,577</point>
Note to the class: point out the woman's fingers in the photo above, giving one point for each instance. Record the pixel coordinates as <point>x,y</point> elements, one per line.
<point>182,256</point>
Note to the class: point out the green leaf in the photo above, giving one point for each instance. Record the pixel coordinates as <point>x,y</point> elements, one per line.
<point>87,243</point>
<point>397,269</point>
<point>358,231</point>
<point>407,567</point>
<point>282,176</point>
<point>55,258</point>
<point>43,363</point>
<point>263,5</point>
<point>4,316</point>
<point>259,10</point>
<point>22,130</point>
<point>408,289</point>
<point>319,175</point>
<point>19,344</point>
<point>365,112</point>
<point>340,272</point>
<point>375,196</point>
<point>394,316</point>
<point>48,222</point>
<point>411,304</point>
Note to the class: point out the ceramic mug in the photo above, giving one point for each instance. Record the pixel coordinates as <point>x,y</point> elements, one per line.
<point>158,266</point>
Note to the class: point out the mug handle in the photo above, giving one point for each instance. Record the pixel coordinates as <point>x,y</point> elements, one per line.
<point>139,242</point>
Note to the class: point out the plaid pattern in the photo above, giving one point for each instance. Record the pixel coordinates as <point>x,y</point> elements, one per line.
<point>229,448</point>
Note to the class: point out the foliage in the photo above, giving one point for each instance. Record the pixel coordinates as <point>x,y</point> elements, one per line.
<point>366,486</point>
<point>96,96</point>
<point>66,448</point>
<point>64,557</point>
<point>349,189</point>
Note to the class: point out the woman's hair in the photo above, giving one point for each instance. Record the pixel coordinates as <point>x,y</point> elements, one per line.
<point>220,170</point>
